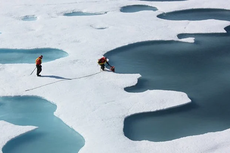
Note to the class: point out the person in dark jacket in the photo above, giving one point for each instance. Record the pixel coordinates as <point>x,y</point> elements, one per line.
<point>38,65</point>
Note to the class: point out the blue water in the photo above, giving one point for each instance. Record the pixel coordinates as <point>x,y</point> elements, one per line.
<point>29,55</point>
<point>137,8</point>
<point>197,14</point>
<point>82,14</point>
<point>52,135</point>
<point>29,18</point>
<point>202,70</point>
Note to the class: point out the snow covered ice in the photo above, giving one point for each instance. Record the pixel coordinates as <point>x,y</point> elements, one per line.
<point>96,105</point>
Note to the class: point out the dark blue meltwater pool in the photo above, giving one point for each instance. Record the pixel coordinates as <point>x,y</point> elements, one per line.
<point>137,8</point>
<point>200,69</point>
<point>197,14</point>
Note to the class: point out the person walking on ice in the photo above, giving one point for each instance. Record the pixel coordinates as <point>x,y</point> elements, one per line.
<point>104,60</point>
<point>38,65</point>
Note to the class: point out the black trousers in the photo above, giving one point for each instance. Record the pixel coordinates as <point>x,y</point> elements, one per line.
<point>39,69</point>
<point>103,67</point>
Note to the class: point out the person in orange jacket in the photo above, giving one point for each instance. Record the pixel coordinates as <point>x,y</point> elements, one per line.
<point>38,65</point>
<point>104,60</point>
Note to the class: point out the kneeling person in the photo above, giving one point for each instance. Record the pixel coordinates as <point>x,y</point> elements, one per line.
<point>102,61</point>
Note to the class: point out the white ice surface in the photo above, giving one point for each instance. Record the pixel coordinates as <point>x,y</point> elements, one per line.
<point>95,104</point>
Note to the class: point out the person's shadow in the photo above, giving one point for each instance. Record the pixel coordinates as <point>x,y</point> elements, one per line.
<point>56,77</point>
<point>50,76</point>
